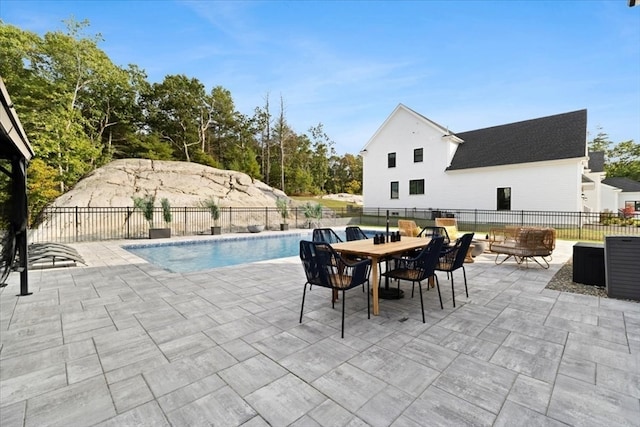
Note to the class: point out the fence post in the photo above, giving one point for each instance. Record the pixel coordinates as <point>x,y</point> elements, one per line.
<point>77,224</point>
<point>128,219</point>
<point>475,220</point>
<point>185,221</point>
<point>579,225</point>
<point>266,218</point>
<point>230,219</point>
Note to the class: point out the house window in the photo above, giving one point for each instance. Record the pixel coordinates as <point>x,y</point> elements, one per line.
<point>391,160</point>
<point>504,199</point>
<point>395,189</point>
<point>417,155</point>
<point>416,186</point>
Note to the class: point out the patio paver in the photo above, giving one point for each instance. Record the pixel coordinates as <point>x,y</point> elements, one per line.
<point>123,342</point>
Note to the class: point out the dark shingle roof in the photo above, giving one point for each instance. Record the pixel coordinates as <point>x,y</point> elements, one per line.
<point>596,161</point>
<point>562,136</point>
<point>625,184</point>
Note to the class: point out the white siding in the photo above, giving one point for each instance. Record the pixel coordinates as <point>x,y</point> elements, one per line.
<point>628,196</point>
<point>609,198</point>
<point>402,134</point>
<point>542,186</point>
<point>554,185</point>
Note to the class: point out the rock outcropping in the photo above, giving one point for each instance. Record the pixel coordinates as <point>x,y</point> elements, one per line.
<point>183,184</point>
<point>100,206</point>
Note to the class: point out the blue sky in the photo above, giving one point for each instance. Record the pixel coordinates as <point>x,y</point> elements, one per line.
<point>347,64</point>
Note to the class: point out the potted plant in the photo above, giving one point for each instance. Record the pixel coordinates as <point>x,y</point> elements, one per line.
<point>283,208</point>
<point>146,206</point>
<point>313,212</point>
<point>214,210</point>
<point>167,217</point>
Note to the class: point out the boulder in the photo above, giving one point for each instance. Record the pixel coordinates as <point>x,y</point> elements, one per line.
<point>183,184</point>
<point>75,216</point>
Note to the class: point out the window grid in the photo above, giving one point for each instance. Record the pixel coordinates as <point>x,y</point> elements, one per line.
<point>417,155</point>
<point>395,190</point>
<point>416,186</point>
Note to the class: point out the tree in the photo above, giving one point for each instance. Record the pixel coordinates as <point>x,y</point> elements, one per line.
<point>601,141</point>
<point>624,160</point>
<point>175,113</point>
<point>621,160</point>
<point>282,132</point>
<point>262,122</point>
<point>322,146</point>
<point>68,93</point>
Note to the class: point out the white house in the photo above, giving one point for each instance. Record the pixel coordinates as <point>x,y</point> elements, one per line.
<point>624,193</point>
<point>537,164</point>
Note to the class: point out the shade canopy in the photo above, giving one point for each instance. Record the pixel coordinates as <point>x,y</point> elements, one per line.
<point>13,140</point>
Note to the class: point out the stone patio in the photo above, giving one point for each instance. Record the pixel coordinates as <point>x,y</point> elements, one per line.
<point>122,342</point>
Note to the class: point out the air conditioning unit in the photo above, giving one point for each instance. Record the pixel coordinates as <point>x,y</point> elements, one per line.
<point>622,266</point>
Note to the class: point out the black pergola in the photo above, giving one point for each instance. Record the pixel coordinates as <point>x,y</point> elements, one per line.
<point>14,147</point>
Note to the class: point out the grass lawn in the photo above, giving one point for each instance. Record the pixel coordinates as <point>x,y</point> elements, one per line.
<point>331,204</point>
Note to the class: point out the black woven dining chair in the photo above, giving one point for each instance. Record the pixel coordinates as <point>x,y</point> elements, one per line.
<point>355,233</point>
<point>326,235</point>
<point>325,267</point>
<point>418,268</point>
<point>452,259</point>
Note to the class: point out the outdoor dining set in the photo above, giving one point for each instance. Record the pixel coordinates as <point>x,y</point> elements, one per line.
<point>413,254</point>
<point>332,263</point>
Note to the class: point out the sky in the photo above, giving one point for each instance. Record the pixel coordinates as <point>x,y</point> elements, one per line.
<point>464,64</point>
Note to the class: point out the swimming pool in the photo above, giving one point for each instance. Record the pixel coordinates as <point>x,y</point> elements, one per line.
<point>189,256</point>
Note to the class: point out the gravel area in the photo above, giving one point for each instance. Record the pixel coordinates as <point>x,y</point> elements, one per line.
<point>563,281</point>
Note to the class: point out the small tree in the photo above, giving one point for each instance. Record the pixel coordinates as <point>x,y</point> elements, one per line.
<point>166,210</point>
<point>313,212</point>
<point>283,208</point>
<point>145,204</point>
<point>214,209</point>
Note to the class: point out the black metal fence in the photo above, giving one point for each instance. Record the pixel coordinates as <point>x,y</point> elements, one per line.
<point>569,225</point>
<point>80,224</point>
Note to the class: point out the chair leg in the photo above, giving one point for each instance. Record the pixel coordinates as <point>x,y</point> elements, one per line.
<point>453,292</point>
<point>421,302</point>
<point>439,295</point>
<point>343,313</point>
<point>302,307</point>
<point>464,273</point>
<point>413,286</point>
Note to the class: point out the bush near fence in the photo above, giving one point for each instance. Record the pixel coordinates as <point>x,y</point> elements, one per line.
<point>82,224</point>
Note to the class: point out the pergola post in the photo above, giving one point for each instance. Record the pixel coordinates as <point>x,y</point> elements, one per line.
<point>19,220</point>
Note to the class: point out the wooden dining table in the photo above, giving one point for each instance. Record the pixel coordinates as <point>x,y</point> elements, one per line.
<point>366,248</point>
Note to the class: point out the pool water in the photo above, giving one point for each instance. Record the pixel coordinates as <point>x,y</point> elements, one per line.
<point>183,257</point>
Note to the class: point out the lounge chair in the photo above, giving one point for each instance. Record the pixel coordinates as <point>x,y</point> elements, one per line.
<point>45,255</point>
<point>408,228</point>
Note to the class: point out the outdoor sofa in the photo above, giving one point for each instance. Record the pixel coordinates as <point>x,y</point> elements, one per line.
<point>523,243</point>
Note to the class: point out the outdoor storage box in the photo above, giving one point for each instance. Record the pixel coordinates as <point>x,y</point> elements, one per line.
<point>622,266</point>
<point>588,263</point>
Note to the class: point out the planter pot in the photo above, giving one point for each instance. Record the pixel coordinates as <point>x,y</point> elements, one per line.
<point>284,227</point>
<point>159,233</point>
<point>216,230</point>
<point>255,228</point>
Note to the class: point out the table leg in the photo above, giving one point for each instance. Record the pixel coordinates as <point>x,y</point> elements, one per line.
<point>374,284</point>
